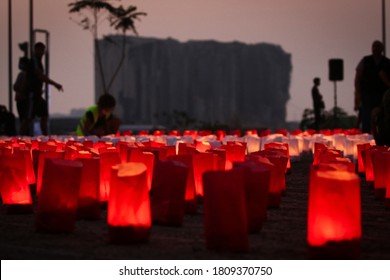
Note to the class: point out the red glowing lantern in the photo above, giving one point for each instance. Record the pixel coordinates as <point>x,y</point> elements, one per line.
<point>275,185</point>
<point>147,158</point>
<point>202,162</point>
<point>387,163</point>
<point>14,188</point>
<point>88,199</point>
<point>280,161</point>
<point>235,151</point>
<point>169,188</point>
<point>334,214</point>
<point>360,148</point>
<point>128,214</point>
<point>282,147</point>
<point>191,204</point>
<point>256,185</point>
<point>57,204</point>
<point>30,173</point>
<point>42,156</point>
<point>225,218</point>
<point>107,160</point>
<point>380,169</point>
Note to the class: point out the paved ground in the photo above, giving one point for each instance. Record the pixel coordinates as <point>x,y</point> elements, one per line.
<point>283,235</point>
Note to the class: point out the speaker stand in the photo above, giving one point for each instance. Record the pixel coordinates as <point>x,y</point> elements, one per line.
<point>335,117</point>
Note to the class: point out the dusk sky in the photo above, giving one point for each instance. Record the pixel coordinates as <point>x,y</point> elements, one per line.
<point>311,31</point>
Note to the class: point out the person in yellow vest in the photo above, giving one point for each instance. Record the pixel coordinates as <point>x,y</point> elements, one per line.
<point>98,119</point>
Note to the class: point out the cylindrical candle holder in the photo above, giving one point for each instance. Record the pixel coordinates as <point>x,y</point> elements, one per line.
<point>129,214</point>
<point>191,203</point>
<point>42,156</point>
<point>225,218</point>
<point>334,215</point>
<point>108,159</point>
<point>256,184</point>
<point>57,203</point>
<point>14,188</point>
<point>169,188</point>
<point>88,206</point>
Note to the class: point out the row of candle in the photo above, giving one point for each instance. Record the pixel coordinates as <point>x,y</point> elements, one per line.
<point>142,182</point>
<point>168,181</point>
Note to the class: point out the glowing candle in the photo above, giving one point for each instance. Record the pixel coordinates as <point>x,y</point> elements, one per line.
<point>57,203</point>
<point>129,214</point>
<point>88,198</point>
<point>107,160</point>
<point>14,188</point>
<point>334,214</point>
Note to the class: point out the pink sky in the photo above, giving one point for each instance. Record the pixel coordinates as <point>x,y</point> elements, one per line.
<point>311,31</point>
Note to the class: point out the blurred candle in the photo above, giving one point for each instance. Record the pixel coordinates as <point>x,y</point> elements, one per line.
<point>108,159</point>
<point>42,156</point>
<point>88,206</point>
<point>129,214</point>
<point>57,203</point>
<point>256,185</point>
<point>225,218</point>
<point>14,188</point>
<point>191,203</point>
<point>169,188</point>
<point>380,169</point>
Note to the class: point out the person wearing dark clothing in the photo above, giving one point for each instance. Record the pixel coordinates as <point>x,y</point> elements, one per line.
<point>37,104</point>
<point>369,84</point>
<point>318,102</point>
<point>7,122</point>
<point>21,94</point>
<point>98,119</point>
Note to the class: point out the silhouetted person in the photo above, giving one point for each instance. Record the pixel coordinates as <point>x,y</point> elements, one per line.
<point>21,88</point>
<point>98,119</point>
<point>37,104</point>
<point>369,84</point>
<point>318,102</point>
<point>7,122</point>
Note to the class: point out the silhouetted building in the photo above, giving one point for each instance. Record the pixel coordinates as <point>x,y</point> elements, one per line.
<point>242,85</point>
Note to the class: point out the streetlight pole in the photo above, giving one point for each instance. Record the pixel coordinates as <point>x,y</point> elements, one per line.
<point>384,26</point>
<point>31,28</point>
<point>10,106</point>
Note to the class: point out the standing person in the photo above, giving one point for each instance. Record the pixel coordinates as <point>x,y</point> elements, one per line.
<point>21,94</point>
<point>37,104</point>
<point>369,84</point>
<point>98,119</point>
<point>318,102</point>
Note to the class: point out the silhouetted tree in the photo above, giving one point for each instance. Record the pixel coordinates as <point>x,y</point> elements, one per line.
<point>120,18</point>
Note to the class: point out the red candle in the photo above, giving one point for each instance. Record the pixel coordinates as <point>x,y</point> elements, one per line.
<point>128,213</point>
<point>256,185</point>
<point>275,188</point>
<point>88,199</point>
<point>380,169</point>
<point>191,204</point>
<point>282,147</point>
<point>57,204</point>
<point>225,218</point>
<point>169,188</point>
<point>42,156</point>
<point>202,162</point>
<point>108,159</point>
<point>360,148</point>
<point>147,158</point>
<point>334,214</point>
<point>14,188</point>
